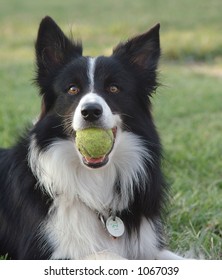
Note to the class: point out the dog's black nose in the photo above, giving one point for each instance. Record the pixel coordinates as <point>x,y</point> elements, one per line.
<point>91,111</point>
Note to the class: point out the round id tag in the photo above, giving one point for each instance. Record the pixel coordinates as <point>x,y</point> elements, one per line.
<point>115,226</point>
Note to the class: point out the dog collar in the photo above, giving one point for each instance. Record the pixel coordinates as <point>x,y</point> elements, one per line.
<point>113,224</point>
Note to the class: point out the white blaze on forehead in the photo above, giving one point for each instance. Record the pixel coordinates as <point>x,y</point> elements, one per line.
<point>107,119</point>
<point>91,72</point>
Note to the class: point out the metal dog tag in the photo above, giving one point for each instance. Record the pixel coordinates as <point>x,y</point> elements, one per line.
<point>115,226</point>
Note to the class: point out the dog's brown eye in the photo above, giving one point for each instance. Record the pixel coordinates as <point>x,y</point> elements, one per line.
<point>113,89</point>
<point>73,89</point>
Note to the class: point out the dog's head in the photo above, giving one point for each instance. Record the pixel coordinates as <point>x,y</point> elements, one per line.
<point>79,92</point>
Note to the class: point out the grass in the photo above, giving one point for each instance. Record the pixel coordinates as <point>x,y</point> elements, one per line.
<point>188,114</point>
<point>187,108</point>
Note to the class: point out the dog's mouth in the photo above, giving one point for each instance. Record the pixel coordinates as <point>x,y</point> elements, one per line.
<point>98,162</point>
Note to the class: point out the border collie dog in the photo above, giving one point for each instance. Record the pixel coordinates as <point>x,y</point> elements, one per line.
<point>57,204</point>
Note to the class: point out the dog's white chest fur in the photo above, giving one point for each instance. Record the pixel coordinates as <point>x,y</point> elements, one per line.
<point>75,232</point>
<point>72,226</point>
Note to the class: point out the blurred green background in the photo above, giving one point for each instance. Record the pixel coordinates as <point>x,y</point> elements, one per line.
<point>187,107</point>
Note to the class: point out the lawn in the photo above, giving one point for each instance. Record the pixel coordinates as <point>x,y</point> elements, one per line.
<point>187,107</point>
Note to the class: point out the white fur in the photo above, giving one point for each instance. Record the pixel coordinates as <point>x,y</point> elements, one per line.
<point>168,255</point>
<point>107,119</point>
<point>91,71</point>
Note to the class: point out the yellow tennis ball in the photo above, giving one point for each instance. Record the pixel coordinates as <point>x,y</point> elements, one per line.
<point>94,142</point>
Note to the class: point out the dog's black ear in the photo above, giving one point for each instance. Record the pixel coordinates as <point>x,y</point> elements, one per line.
<point>53,48</point>
<point>142,51</point>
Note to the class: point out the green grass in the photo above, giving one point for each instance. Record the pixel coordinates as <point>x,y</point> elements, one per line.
<point>190,29</point>
<point>187,106</point>
<point>188,113</point>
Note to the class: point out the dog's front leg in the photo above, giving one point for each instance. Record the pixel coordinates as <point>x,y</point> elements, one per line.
<point>168,255</point>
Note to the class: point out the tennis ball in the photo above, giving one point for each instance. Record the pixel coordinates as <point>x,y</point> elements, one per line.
<point>94,142</point>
